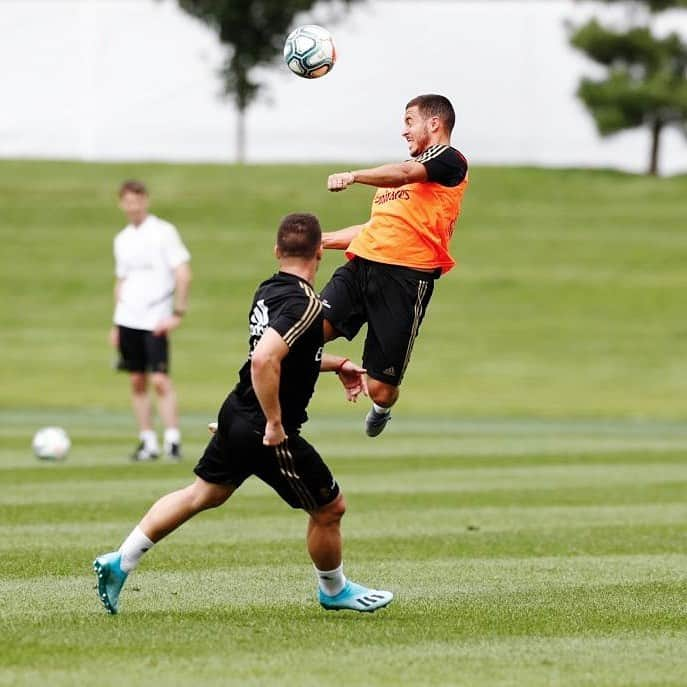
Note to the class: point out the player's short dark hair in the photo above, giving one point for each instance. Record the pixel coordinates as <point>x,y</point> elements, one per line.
<point>433,105</point>
<point>299,235</point>
<point>133,186</point>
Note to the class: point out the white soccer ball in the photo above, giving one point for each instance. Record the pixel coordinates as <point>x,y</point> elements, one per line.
<point>51,443</point>
<point>309,51</point>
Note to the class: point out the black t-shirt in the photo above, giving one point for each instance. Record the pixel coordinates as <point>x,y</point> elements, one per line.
<point>445,165</point>
<point>287,304</point>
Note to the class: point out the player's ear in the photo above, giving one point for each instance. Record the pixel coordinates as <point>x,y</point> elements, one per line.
<point>277,252</point>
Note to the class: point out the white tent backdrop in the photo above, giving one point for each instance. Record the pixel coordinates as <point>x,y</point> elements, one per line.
<point>137,79</point>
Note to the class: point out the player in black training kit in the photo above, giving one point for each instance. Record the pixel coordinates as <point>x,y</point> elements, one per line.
<point>288,306</point>
<point>258,430</point>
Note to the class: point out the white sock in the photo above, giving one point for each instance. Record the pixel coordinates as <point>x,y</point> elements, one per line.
<point>331,581</point>
<point>149,439</point>
<point>172,436</point>
<point>381,409</point>
<point>134,546</point>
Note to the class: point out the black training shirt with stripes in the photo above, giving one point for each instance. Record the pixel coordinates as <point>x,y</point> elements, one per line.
<point>444,164</point>
<point>287,304</point>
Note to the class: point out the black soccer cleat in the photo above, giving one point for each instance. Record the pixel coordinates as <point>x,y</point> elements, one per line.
<point>173,451</point>
<point>142,454</point>
<point>376,422</point>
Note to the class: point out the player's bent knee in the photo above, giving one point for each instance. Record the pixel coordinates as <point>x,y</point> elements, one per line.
<point>330,513</point>
<point>383,394</point>
<point>204,495</point>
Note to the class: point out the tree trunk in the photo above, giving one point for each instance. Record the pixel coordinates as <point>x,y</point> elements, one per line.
<point>241,135</point>
<point>656,128</point>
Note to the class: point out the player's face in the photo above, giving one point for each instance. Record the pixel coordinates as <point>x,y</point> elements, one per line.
<point>415,131</point>
<point>134,206</point>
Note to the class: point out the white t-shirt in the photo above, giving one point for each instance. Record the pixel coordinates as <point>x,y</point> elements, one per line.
<point>145,259</point>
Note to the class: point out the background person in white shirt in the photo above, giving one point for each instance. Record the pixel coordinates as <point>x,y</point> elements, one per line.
<point>151,296</point>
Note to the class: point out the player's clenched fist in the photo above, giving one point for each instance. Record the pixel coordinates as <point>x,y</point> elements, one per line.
<point>340,181</point>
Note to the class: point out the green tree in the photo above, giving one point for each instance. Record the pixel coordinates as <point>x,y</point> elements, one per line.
<point>253,32</point>
<point>646,80</point>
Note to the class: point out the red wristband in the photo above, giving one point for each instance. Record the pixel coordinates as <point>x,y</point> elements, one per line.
<point>341,364</point>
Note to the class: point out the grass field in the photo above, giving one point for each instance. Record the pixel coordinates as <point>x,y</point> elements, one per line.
<point>568,301</point>
<point>521,553</point>
<point>527,505</point>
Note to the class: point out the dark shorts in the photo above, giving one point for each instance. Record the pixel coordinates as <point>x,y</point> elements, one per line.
<point>391,299</point>
<point>294,469</point>
<point>141,351</point>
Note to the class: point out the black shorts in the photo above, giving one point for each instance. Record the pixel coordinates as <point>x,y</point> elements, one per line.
<point>391,299</point>
<point>294,469</point>
<point>141,351</point>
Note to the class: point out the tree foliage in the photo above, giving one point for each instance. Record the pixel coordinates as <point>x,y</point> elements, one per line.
<point>653,5</point>
<point>646,80</point>
<point>253,32</point>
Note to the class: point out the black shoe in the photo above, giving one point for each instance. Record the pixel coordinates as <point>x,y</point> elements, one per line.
<point>376,422</point>
<point>142,454</point>
<point>173,451</point>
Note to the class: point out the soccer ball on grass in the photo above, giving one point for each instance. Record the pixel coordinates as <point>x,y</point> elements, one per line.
<point>51,443</point>
<point>309,51</point>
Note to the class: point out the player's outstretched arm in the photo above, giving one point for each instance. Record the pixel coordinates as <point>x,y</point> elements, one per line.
<point>265,370</point>
<point>352,376</point>
<point>387,176</point>
<point>342,238</point>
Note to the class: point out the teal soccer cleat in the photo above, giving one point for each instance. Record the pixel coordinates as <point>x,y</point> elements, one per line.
<point>111,579</point>
<point>355,597</point>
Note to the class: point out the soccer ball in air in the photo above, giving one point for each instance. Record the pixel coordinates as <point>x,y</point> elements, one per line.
<point>51,443</point>
<point>309,51</point>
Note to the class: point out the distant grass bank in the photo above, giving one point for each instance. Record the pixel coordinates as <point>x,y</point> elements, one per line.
<point>568,301</point>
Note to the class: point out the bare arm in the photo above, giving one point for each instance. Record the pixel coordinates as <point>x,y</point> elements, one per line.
<point>182,283</point>
<point>265,371</point>
<point>117,289</point>
<point>391,175</point>
<point>342,238</point>
<point>114,330</point>
<point>387,176</point>
<point>331,363</point>
<point>352,376</point>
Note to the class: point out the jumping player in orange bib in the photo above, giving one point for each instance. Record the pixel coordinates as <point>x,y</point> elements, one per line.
<point>394,258</point>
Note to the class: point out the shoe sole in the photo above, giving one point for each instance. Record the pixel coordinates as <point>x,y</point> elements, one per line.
<point>357,610</point>
<point>102,591</point>
<point>376,430</point>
